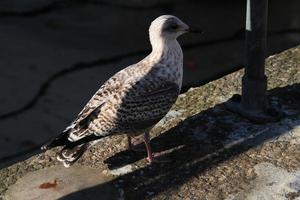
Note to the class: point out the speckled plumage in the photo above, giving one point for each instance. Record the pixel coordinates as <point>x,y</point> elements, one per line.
<point>139,94</point>
<point>137,97</point>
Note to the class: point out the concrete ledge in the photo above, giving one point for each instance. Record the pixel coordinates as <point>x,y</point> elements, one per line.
<point>215,154</point>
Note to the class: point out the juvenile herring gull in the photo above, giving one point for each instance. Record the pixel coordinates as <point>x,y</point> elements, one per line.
<point>134,99</point>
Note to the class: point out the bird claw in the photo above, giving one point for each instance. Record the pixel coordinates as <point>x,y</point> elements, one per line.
<point>155,158</point>
<point>133,142</point>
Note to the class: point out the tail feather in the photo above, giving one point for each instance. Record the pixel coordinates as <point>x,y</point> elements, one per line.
<point>71,151</point>
<point>69,155</point>
<point>60,140</point>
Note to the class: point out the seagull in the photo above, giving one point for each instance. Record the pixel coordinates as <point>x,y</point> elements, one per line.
<point>133,100</point>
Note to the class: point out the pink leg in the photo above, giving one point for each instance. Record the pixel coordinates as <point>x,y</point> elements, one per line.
<point>148,147</point>
<point>153,157</point>
<point>132,144</point>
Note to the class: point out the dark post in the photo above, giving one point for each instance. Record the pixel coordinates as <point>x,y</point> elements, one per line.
<point>254,83</point>
<point>253,103</point>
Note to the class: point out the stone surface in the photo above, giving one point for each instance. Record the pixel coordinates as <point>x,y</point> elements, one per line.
<point>213,153</point>
<point>272,183</point>
<point>52,61</point>
<point>58,181</point>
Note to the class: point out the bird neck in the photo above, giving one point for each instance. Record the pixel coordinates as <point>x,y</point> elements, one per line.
<point>162,48</point>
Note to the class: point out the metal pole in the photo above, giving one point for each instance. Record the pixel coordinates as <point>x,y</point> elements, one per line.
<point>254,83</point>
<point>253,103</point>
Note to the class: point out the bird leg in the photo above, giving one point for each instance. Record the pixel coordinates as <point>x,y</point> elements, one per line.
<point>148,147</point>
<point>153,157</point>
<point>132,143</point>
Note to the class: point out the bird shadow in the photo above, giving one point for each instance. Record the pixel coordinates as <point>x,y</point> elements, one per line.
<point>195,145</point>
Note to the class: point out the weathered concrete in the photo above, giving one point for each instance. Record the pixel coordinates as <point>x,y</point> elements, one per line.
<point>214,154</point>
<point>52,62</point>
<point>58,181</point>
<point>271,183</point>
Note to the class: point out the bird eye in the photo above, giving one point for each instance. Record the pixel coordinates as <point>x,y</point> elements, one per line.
<point>173,26</point>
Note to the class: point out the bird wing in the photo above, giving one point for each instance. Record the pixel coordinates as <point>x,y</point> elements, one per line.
<point>144,103</point>
<point>140,111</point>
<point>137,112</point>
<point>93,107</point>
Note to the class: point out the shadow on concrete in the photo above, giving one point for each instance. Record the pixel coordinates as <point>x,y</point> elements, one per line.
<point>197,144</point>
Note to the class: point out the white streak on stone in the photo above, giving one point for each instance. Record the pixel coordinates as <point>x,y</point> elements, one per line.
<point>271,183</point>
<point>120,171</point>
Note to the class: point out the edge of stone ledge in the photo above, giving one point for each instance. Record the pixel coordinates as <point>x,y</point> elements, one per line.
<point>189,103</point>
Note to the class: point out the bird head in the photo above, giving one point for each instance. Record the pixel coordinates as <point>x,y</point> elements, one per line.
<point>168,27</point>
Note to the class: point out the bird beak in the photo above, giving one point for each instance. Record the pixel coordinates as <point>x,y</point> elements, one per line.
<point>194,30</point>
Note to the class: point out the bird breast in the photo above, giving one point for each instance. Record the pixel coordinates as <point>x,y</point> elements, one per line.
<point>173,62</point>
